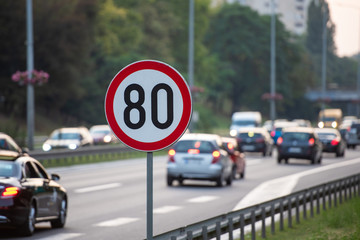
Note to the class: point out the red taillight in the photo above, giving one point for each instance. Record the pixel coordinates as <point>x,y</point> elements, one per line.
<point>171,155</point>
<point>10,192</point>
<point>334,142</point>
<point>272,133</point>
<point>311,141</point>
<point>216,156</point>
<point>230,146</point>
<point>279,141</point>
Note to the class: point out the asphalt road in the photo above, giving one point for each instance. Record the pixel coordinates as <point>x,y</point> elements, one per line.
<point>108,200</point>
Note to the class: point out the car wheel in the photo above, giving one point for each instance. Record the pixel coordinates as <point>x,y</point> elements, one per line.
<point>28,228</point>
<point>60,222</point>
<point>242,175</point>
<point>286,160</point>
<point>169,180</point>
<point>279,158</point>
<point>338,154</point>
<point>229,180</point>
<point>234,174</point>
<point>320,159</point>
<point>220,180</point>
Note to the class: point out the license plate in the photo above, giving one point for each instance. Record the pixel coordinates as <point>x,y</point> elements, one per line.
<point>294,150</point>
<point>248,148</point>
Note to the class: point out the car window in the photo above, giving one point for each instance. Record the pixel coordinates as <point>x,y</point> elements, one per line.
<point>7,145</point>
<point>8,169</point>
<point>203,146</point>
<point>250,135</point>
<point>299,136</point>
<point>41,171</point>
<point>327,135</point>
<point>29,171</point>
<point>65,136</point>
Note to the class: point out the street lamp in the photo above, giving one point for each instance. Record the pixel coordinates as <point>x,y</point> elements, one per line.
<point>272,65</point>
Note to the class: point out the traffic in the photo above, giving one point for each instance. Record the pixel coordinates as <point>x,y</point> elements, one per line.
<point>199,161</point>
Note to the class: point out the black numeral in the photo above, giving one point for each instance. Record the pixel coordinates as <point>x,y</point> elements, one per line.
<point>154,106</point>
<point>134,105</point>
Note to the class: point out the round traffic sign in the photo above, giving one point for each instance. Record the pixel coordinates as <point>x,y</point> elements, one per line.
<point>148,105</point>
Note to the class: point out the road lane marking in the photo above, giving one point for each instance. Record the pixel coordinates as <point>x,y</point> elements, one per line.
<point>202,199</point>
<point>283,186</point>
<point>97,188</point>
<point>166,209</point>
<point>116,222</point>
<point>62,236</point>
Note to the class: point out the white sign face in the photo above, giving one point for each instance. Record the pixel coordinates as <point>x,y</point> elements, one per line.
<point>148,105</point>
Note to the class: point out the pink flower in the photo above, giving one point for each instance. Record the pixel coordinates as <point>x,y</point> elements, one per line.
<point>37,77</point>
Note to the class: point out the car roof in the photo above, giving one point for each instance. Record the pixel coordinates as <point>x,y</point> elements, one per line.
<point>326,130</point>
<point>298,129</point>
<point>253,129</point>
<point>9,155</point>
<point>202,137</point>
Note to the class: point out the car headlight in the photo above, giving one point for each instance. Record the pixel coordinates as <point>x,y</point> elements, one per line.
<point>334,124</point>
<point>107,139</point>
<point>321,124</point>
<point>233,133</point>
<point>73,146</point>
<point>46,147</point>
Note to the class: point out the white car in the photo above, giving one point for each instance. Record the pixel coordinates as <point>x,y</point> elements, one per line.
<point>199,157</point>
<point>102,134</point>
<point>70,138</point>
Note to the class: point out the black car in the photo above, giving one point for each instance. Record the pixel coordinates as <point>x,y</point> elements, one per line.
<point>255,140</point>
<point>301,143</point>
<point>332,141</point>
<point>28,194</point>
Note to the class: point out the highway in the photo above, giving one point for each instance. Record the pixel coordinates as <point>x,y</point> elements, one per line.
<point>108,200</point>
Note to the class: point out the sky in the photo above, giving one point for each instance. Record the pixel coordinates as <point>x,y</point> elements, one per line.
<point>346,16</point>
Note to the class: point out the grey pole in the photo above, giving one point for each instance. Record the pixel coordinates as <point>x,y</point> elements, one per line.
<point>191,50</point>
<point>358,83</point>
<point>272,65</point>
<point>324,51</point>
<point>149,196</point>
<point>30,68</point>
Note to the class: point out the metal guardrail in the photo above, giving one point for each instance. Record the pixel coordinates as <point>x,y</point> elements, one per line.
<point>80,152</point>
<point>313,199</point>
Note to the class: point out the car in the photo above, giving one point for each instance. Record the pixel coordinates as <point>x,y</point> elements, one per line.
<point>238,158</point>
<point>199,156</point>
<point>102,134</point>
<point>353,135</point>
<point>278,126</point>
<point>255,140</point>
<point>300,143</point>
<point>332,141</point>
<point>69,138</point>
<point>28,194</point>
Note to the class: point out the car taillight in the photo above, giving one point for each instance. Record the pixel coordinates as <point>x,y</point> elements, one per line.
<point>279,141</point>
<point>194,151</point>
<point>216,156</point>
<point>230,146</point>
<point>171,155</point>
<point>334,142</point>
<point>10,192</point>
<point>311,141</point>
<point>272,133</point>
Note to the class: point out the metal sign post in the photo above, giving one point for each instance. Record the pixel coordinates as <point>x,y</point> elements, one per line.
<point>149,196</point>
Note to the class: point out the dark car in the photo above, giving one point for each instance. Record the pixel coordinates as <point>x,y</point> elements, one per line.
<point>353,135</point>
<point>332,141</point>
<point>255,140</point>
<point>238,158</point>
<point>28,194</point>
<point>301,143</point>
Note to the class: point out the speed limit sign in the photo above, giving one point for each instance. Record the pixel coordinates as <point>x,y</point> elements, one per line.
<point>148,105</point>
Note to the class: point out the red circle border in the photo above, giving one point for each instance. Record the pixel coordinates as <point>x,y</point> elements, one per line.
<point>186,97</point>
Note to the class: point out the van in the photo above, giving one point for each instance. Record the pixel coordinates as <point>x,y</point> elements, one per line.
<point>330,118</point>
<point>241,120</point>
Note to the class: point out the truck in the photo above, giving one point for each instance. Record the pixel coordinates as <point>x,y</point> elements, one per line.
<point>331,117</point>
<point>244,119</point>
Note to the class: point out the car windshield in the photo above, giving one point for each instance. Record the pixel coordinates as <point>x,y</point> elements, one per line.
<point>299,136</point>
<point>8,169</point>
<point>100,131</point>
<point>328,119</point>
<point>202,146</point>
<point>65,136</point>
<point>244,123</point>
<point>327,135</point>
<point>6,145</point>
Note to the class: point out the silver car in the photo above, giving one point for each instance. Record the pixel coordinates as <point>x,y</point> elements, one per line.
<point>199,157</point>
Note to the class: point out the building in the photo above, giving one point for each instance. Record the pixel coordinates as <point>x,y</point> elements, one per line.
<point>293,13</point>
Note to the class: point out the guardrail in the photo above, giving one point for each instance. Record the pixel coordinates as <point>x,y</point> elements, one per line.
<point>313,199</point>
<point>84,154</point>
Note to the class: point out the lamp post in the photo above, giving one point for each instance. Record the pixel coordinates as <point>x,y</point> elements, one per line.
<point>272,65</point>
<point>191,51</point>
<point>324,53</point>
<point>30,68</point>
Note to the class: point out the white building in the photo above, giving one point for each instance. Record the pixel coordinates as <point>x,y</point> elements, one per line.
<point>293,13</point>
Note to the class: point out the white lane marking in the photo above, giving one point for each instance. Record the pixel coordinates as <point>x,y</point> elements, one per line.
<point>97,188</point>
<point>166,209</point>
<point>202,199</point>
<point>283,186</point>
<point>62,236</point>
<point>116,222</point>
